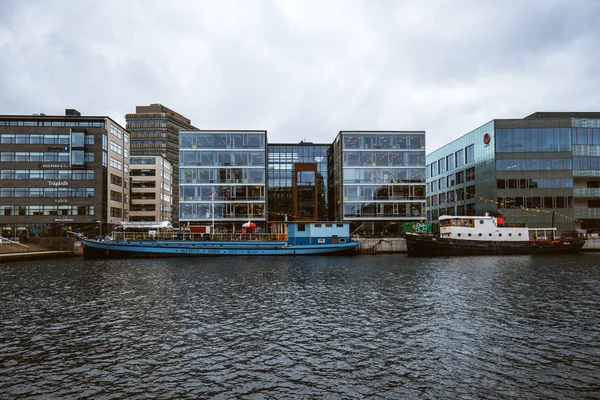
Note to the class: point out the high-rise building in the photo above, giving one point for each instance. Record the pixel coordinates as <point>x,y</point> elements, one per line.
<point>377,179</point>
<point>222,178</point>
<point>297,181</point>
<point>60,173</point>
<point>151,188</point>
<point>539,170</point>
<point>155,132</point>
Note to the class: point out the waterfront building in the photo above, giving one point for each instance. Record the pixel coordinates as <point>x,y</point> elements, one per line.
<point>539,170</point>
<point>155,132</point>
<point>60,173</point>
<point>222,178</point>
<point>151,188</point>
<point>297,181</point>
<point>377,179</point>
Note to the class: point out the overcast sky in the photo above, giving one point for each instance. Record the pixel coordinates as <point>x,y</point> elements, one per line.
<point>304,69</point>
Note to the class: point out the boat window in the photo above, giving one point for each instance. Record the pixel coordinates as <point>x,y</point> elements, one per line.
<point>459,234</point>
<point>480,234</point>
<point>490,234</point>
<point>519,234</point>
<point>469,235</point>
<point>328,225</point>
<point>481,221</point>
<point>301,227</point>
<point>343,240</point>
<point>340,225</point>
<point>510,234</point>
<point>317,225</point>
<point>321,240</point>
<point>499,234</point>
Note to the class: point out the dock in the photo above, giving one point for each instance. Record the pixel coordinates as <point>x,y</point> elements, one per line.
<point>34,255</point>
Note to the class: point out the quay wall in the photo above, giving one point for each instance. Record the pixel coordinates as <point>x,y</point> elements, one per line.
<point>383,245</point>
<point>592,244</point>
<point>53,243</point>
<point>398,245</point>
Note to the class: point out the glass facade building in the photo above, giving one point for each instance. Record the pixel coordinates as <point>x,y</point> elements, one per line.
<point>377,179</point>
<point>297,181</point>
<point>540,170</point>
<point>222,178</point>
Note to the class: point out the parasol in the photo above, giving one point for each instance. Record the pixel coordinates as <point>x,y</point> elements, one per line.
<point>249,225</point>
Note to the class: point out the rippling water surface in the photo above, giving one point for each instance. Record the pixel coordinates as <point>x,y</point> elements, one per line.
<point>317,327</point>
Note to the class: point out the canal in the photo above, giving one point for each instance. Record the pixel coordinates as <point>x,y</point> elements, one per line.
<point>379,326</point>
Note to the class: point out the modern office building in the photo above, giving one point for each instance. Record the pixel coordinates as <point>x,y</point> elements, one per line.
<point>540,170</point>
<point>62,172</point>
<point>151,188</point>
<point>155,132</point>
<point>377,179</point>
<point>297,181</point>
<point>222,178</point>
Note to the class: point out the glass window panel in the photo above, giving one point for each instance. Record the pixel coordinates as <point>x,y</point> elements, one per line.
<point>565,139</point>
<point>518,140</point>
<point>77,139</point>
<point>77,157</point>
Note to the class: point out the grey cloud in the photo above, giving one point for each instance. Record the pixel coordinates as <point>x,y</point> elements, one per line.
<point>303,69</point>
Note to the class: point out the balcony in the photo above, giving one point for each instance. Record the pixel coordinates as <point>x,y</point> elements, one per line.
<point>586,213</point>
<point>586,192</point>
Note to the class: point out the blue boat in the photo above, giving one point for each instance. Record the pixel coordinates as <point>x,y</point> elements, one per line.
<point>285,239</point>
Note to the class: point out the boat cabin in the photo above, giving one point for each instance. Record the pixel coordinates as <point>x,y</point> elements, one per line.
<point>483,228</point>
<point>305,233</point>
<point>542,234</point>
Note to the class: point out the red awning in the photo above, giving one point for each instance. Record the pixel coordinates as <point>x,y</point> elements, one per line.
<point>249,225</point>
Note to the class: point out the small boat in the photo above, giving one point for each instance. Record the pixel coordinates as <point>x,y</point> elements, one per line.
<point>486,235</point>
<point>284,239</point>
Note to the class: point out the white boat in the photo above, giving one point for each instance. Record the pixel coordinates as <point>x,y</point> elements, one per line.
<point>482,235</point>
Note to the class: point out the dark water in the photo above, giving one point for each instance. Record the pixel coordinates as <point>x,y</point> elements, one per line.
<point>369,326</point>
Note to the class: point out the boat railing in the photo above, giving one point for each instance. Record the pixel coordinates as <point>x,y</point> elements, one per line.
<point>178,235</point>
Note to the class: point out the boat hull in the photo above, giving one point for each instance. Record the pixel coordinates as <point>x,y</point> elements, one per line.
<point>432,246</point>
<point>130,249</point>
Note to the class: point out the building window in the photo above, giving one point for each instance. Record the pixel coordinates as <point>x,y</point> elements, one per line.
<point>77,139</point>
<point>460,158</point>
<point>77,157</point>
<point>470,154</point>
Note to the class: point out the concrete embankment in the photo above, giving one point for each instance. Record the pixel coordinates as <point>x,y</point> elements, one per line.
<point>398,245</point>
<point>382,245</point>
<point>592,244</point>
<point>34,255</point>
<point>66,248</point>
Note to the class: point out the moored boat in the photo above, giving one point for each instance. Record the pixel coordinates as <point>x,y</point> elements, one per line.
<point>485,235</point>
<point>286,239</point>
